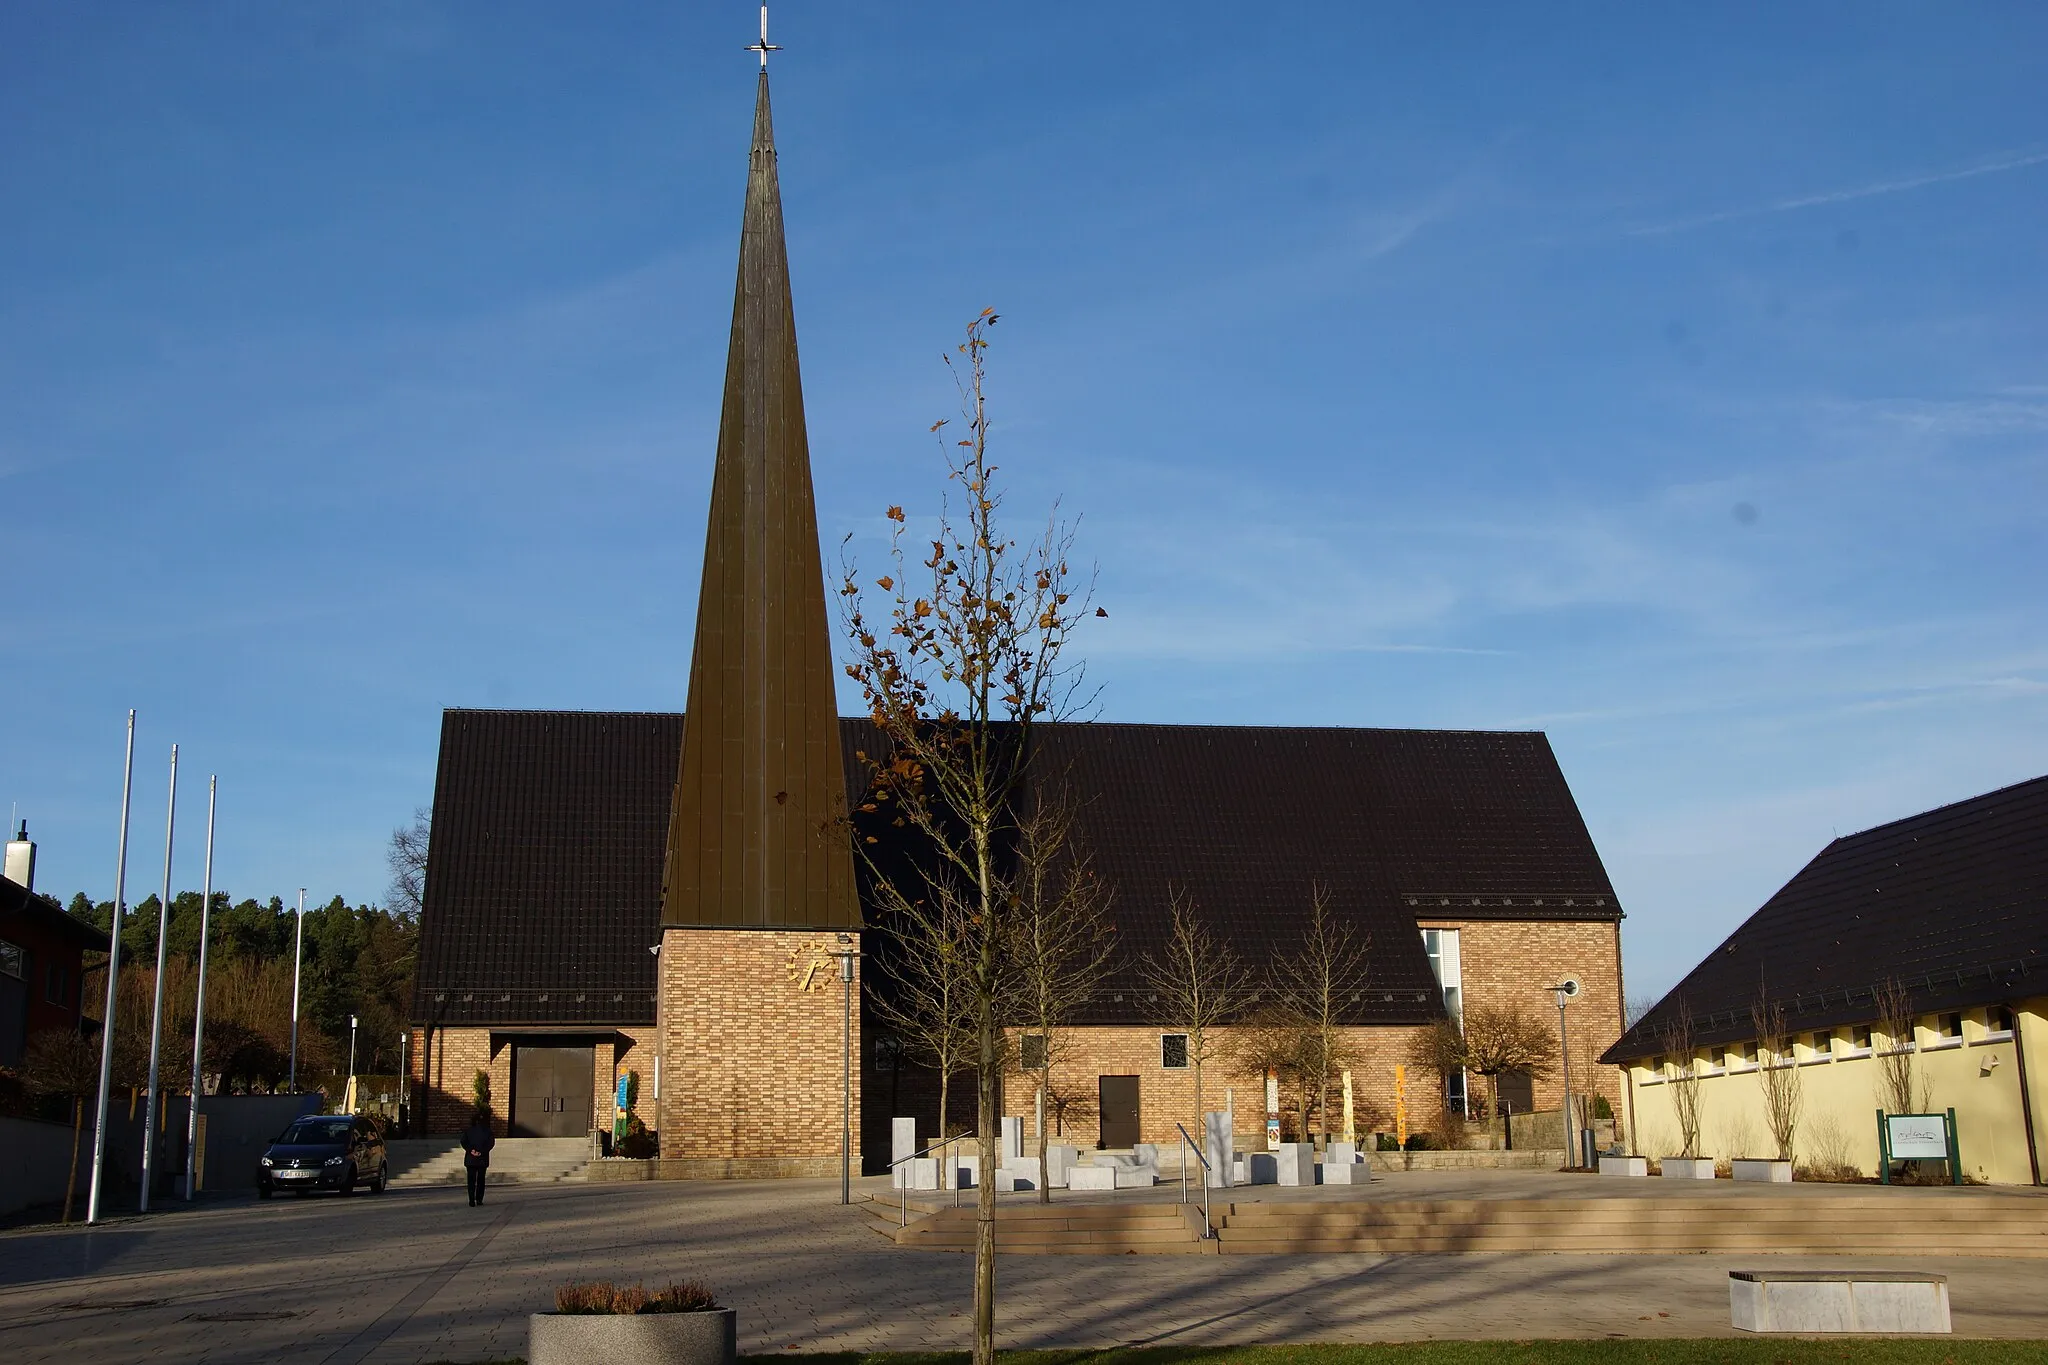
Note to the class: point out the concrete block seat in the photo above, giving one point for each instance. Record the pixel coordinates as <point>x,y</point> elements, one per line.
<point>1114,1171</point>
<point>1837,1301</point>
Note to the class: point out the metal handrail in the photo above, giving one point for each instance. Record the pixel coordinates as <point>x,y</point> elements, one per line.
<point>1208,1226</point>
<point>905,1189</point>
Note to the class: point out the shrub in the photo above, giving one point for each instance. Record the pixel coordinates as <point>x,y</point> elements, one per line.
<point>602,1296</point>
<point>1422,1142</point>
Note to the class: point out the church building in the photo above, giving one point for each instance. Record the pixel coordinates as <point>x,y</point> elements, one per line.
<point>674,896</point>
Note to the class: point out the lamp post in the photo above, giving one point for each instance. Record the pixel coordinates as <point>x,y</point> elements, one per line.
<point>352,1060</point>
<point>1567,991</point>
<point>298,956</point>
<point>848,950</point>
<point>99,1131</point>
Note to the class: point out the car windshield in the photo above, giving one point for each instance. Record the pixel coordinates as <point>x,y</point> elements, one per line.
<point>317,1130</point>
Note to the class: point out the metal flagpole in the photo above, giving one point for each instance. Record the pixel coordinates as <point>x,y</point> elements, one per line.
<point>99,1130</point>
<point>199,1003</point>
<point>298,955</point>
<point>156,1013</point>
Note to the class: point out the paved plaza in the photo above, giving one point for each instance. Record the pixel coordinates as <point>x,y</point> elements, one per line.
<point>416,1275</point>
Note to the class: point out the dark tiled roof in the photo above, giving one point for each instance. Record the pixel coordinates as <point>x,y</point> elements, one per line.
<point>1952,903</point>
<point>1248,819</point>
<point>46,914</point>
<point>544,870</point>
<point>549,836</point>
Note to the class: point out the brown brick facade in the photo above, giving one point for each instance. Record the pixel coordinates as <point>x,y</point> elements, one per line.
<point>443,1101</point>
<point>752,1025</point>
<point>1512,962</point>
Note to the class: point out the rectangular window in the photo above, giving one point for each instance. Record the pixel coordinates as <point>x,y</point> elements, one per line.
<point>1998,1022</point>
<point>13,960</point>
<point>1441,946</point>
<point>56,984</point>
<point>1860,1037</point>
<point>1823,1045</point>
<point>1173,1051</point>
<point>1033,1051</point>
<point>1948,1030</point>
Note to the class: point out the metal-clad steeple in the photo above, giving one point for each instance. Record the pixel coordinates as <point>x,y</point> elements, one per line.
<point>757,831</point>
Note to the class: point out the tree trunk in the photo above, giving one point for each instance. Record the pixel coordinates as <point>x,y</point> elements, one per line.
<point>77,1131</point>
<point>947,1175</point>
<point>1044,1135</point>
<point>989,1125</point>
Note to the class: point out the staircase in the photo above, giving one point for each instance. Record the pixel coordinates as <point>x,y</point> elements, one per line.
<point>1056,1229</point>
<point>1907,1223</point>
<point>514,1161</point>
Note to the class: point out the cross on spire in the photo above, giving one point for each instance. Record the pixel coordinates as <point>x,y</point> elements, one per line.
<point>764,47</point>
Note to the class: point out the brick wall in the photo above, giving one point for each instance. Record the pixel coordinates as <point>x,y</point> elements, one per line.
<point>444,1099</point>
<point>1510,962</point>
<point>750,1058</point>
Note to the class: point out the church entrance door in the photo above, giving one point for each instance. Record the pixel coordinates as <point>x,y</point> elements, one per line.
<point>1117,1102</point>
<point>551,1091</point>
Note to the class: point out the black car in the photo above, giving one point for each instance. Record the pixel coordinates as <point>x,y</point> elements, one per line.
<point>324,1152</point>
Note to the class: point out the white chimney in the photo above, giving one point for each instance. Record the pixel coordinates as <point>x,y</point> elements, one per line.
<point>21,859</point>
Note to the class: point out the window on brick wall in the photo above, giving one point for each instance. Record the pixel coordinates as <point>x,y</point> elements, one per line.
<point>1173,1051</point>
<point>1031,1051</point>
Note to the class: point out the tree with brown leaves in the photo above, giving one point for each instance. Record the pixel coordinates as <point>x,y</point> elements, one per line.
<point>964,655</point>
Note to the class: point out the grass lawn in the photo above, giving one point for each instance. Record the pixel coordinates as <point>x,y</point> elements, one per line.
<point>1732,1351</point>
<point>1718,1351</point>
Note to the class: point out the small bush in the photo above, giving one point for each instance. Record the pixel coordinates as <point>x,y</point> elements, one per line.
<point>1422,1142</point>
<point>602,1296</point>
<point>1387,1143</point>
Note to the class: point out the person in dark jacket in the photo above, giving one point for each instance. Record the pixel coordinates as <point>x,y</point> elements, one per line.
<point>476,1154</point>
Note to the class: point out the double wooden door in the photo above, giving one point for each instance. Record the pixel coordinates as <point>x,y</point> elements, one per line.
<point>551,1091</point>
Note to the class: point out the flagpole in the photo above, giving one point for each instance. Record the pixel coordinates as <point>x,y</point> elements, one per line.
<point>99,1128</point>
<point>156,1014</point>
<point>199,1003</point>
<point>298,956</point>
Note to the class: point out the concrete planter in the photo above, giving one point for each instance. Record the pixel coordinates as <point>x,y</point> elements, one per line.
<point>632,1338</point>
<point>1688,1168</point>
<point>1771,1172</point>
<point>1632,1166</point>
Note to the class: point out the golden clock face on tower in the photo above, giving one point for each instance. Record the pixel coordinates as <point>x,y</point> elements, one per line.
<point>810,966</point>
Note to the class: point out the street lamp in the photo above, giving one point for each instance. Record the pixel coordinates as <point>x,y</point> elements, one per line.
<point>298,956</point>
<point>848,951</point>
<point>1567,991</point>
<point>352,1058</point>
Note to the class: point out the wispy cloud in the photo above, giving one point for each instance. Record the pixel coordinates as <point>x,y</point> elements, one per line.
<point>1807,201</point>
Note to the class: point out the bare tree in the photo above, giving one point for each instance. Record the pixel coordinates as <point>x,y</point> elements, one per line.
<point>1318,984</point>
<point>1682,1046</point>
<point>1492,1041</point>
<point>927,1001</point>
<point>1779,1071</point>
<point>63,1062</point>
<point>1063,939</point>
<point>407,859</point>
<point>1202,983</point>
<point>1905,1093</point>
<point>966,654</point>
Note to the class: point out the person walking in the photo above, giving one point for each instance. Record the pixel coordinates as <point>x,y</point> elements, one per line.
<point>476,1154</point>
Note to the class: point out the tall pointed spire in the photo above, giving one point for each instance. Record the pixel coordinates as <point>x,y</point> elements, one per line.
<point>757,833</point>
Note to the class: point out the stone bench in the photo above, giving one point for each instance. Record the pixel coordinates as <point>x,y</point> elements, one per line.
<point>1104,1176</point>
<point>1837,1301</point>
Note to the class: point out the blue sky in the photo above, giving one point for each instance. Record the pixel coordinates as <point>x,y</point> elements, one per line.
<point>1673,382</point>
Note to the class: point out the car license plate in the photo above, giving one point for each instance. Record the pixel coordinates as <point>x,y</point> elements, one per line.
<point>292,1175</point>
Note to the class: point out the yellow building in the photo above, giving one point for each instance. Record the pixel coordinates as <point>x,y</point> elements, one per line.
<point>1905,969</point>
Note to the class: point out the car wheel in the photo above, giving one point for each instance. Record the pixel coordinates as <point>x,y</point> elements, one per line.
<point>264,1191</point>
<point>383,1178</point>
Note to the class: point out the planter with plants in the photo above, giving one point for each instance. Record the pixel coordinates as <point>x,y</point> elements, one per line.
<point>678,1325</point>
<point>1687,1168</point>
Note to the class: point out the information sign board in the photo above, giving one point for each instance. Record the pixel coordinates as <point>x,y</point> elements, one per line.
<point>1921,1137</point>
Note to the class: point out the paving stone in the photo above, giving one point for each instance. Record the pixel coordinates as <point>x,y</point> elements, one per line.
<point>236,1281</point>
